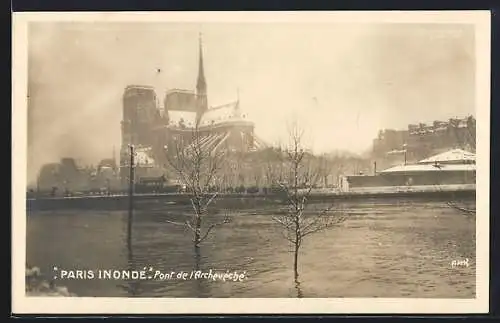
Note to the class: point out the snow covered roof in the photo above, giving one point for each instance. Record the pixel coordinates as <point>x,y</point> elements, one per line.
<point>222,113</point>
<point>142,157</point>
<point>214,115</point>
<point>454,155</point>
<point>184,91</point>
<point>430,168</point>
<point>181,118</point>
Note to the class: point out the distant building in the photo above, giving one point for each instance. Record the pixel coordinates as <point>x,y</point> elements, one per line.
<point>454,170</point>
<point>67,177</point>
<point>156,130</point>
<point>48,176</point>
<point>108,163</point>
<point>420,141</point>
<point>62,177</point>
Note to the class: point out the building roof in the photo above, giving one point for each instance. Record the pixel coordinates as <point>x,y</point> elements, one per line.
<point>224,113</point>
<point>215,115</point>
<point>142,157</point>
<point>182,91</point>
<point>138,86</point>
<point>454,155</point>
<point>179,118</point>
<point>429,168</point>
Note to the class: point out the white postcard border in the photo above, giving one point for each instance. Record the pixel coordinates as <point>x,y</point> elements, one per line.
<point>79,305</point>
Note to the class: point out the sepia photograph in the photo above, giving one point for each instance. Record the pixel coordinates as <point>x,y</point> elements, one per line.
<point>251,162</point>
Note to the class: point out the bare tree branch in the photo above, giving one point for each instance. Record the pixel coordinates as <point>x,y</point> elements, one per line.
<point>211,199</point>
<point>212,226</point>
<point>177,223</point>
<point>462,209</point>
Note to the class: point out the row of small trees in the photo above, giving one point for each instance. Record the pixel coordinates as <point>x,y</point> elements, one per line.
<point>290,168</point>
<point>263,168</point>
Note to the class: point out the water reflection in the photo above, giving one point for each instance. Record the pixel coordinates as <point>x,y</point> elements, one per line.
<point>134,286</point>
<point>201,288</point>
<point>300,294</point>
<point>131,286</point>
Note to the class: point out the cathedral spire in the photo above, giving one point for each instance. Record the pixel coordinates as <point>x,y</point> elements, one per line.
<point>237,110</point>
<point>201,84</point>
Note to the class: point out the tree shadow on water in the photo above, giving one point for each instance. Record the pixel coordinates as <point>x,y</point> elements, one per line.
<point>300,293</point>
<point>200,285</point>
<point>131,286</point>
<point>134,289</point>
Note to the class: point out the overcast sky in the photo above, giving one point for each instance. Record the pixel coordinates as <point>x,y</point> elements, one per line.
<point>343,82</point>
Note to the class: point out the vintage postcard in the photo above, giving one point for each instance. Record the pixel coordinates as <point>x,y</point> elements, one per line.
<point>264,162</point>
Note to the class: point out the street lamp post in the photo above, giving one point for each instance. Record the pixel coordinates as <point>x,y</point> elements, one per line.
<point>131,195</point>
<point>404,149</point>
<point>38,186</point>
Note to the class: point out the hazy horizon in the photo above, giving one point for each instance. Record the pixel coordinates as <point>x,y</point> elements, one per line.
<point>343,82</point>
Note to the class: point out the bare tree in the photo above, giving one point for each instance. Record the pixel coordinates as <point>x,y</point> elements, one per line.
<point>238,170</point>
<point>300,175</point>
<point>256,171</point>
<point>325,168</point>
<point>453,201</point>
<point>273,168</point>
<point>466,138</point>
<point>197,166</point>
<point>464,209</point>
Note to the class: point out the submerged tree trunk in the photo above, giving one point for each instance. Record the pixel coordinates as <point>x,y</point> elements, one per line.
<point>199,288</point>
<point>296,261</point>
<point>296,270</point>
<point>197,231</point>
<point>300,294</point>
<point>197,257</point>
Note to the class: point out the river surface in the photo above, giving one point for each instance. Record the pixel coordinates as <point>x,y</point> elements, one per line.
<point>382,249</point>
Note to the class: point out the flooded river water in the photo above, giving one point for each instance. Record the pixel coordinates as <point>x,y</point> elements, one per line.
<point>382,249</point>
